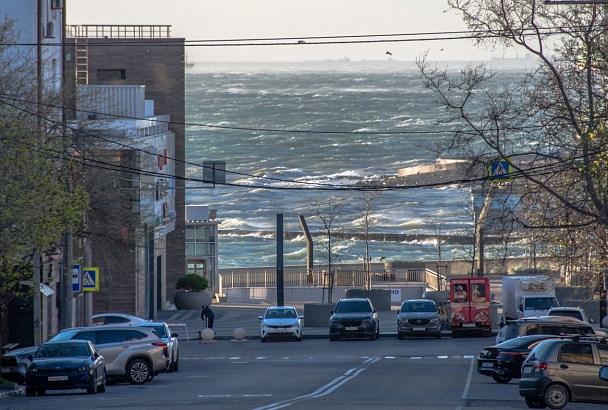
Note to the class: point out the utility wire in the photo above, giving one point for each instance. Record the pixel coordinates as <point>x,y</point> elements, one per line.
<point>312,185</point>
<point>339,39</point>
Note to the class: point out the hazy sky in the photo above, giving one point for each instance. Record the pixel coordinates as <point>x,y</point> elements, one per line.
<point>254,19</point>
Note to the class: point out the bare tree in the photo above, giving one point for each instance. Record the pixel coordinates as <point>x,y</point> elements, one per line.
<point>550,122</point>
<point>328,213</point>
<point>366,221</point>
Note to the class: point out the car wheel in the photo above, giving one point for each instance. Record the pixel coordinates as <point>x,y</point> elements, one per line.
<point>40,392</point>
<point>299,338</point>
<point>30,392</point>
<point>102,387</point>
<point>501,379</point>
<point>176,364</point>
<point>378,331</point>
<point>171,367</point>
<point>535,403</point>
<point>400,336</point>
<point>556,396</point>
<point>138,371</point>
<point>333,338</point>
<point>263,339</point>
<point>438,335</point>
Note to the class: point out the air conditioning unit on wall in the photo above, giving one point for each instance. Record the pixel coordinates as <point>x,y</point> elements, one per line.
<point>56,4</point>
<point>49,29</point>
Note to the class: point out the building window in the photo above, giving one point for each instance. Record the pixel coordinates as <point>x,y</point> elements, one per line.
<point>108,74</point>
<point>190,233</point>
<point>204,234</point>
<point>189,249</point>
<point>197,268</point>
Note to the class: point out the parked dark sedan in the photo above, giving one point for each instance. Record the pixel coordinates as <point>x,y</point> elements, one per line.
<point>65,365</point>
<point>503,361</point>
<point>354,317</point>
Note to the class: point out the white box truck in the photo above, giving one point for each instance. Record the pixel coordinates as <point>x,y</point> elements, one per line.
<point>527,296</point>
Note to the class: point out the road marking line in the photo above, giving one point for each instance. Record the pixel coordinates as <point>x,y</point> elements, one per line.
<point>220,396</point>
<point>469,378</point>
<point>322,391</point>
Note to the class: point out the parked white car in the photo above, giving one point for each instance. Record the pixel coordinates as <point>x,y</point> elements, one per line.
<point>281,322</point>
<point>575,312</point>
<point>115,319</point>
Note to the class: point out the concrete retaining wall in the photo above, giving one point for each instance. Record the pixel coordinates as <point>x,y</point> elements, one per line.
<point>381,298</point>
<point>317,314</point>
<point>314,295</point>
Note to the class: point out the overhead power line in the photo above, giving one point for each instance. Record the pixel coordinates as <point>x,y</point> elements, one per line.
<point>323,40</point>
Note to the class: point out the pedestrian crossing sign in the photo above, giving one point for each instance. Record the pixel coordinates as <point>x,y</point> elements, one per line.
<point>90,279</point>
<point>500,170</point>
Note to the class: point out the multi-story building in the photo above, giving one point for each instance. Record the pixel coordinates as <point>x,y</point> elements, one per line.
<point>103,55</point>
<point>201,244</point>
<point>129,177</point>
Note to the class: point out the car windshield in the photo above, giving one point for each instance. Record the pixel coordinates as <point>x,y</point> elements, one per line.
<point>349,307</point>
<point>281,314</point>
<point>63,350</point>
<point>569,313</point>
<point>540,303</point>
<point>418,307</point>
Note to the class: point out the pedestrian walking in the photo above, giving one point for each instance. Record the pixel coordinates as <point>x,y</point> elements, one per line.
<point>208,316</point>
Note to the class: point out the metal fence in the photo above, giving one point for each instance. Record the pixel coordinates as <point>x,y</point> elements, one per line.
<point>268,278</point>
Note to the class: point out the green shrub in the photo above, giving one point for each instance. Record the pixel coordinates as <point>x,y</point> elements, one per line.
<point>192,283</point>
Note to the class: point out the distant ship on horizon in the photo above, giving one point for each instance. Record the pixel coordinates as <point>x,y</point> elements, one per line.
<point>517,58</point>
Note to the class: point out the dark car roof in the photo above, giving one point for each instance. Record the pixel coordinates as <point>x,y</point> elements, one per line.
<point>522,340</point>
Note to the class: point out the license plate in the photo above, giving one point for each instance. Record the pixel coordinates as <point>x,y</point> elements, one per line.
<point>527,369</point>
<point>57,378</point>
<point>468,325</point>
<point>487,364</point>
<point>418,329</point>
<point>351,328</point>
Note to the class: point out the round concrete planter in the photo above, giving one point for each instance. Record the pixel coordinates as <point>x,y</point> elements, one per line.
<point>192,300</point>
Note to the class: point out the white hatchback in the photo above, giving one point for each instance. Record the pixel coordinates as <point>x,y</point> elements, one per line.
<point>281,322</point>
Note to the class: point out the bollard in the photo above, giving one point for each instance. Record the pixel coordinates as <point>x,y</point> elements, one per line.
<point>206,335</point>
<point>239,335</point>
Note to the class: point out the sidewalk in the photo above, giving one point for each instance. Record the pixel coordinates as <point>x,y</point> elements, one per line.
<point>229,317</point>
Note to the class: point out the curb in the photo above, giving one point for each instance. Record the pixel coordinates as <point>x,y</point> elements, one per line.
<point>17,392</point>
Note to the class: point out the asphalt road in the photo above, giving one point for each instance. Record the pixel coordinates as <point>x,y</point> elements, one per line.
<point>312,374</point>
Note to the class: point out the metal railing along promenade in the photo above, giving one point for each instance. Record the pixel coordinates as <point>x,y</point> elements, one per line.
<point>320,278</point>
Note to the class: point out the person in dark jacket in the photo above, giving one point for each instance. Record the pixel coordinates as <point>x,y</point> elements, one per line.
<point>208,316</point>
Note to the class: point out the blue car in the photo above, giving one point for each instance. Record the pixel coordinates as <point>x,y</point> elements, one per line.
<point>65,365</point>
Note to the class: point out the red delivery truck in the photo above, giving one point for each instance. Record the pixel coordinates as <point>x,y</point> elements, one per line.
<point>470,307</point>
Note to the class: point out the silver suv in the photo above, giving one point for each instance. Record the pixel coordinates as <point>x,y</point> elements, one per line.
<point>418,317</point>
<point>560,371</point>
<point>544,325</point>
<point>162,330</point>
<point>134,354</point>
